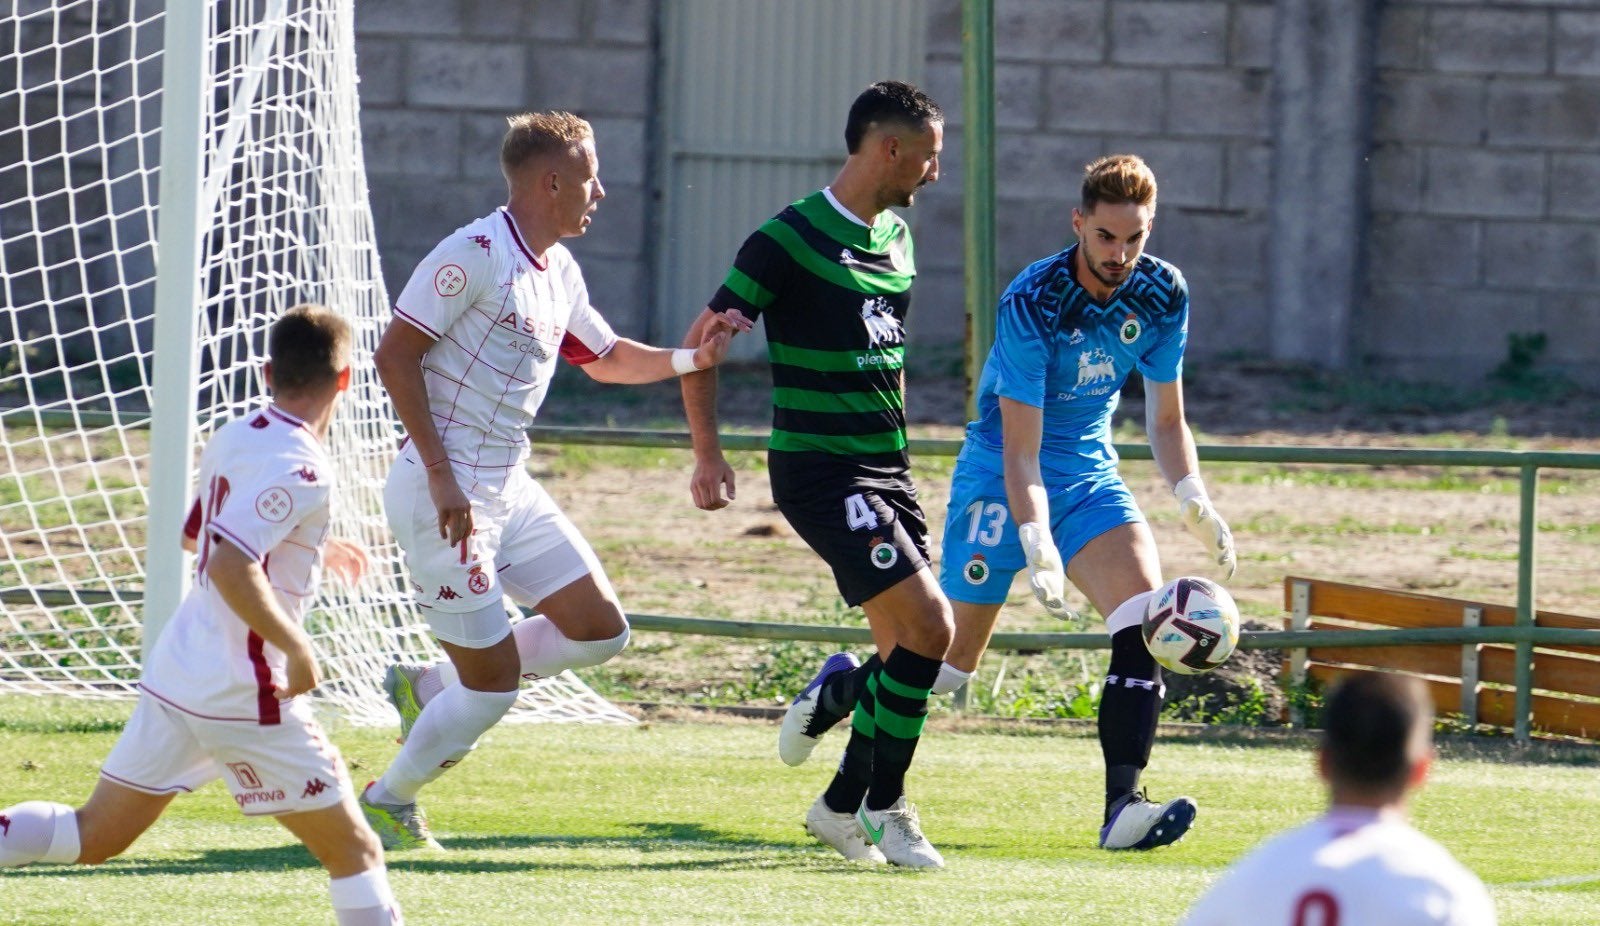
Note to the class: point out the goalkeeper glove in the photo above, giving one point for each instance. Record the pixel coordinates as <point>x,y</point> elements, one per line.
<point>1046,575</point>
<point>1202,520</point>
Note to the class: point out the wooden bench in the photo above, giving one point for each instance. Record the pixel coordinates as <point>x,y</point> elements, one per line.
<point>1477,681</point>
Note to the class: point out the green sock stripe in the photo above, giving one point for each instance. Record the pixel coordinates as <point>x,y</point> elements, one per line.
<point>902,689</point>
<point>898,725</point>
<point>862,719</point>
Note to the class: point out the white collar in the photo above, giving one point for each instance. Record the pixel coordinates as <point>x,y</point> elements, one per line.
<point>833,201</point>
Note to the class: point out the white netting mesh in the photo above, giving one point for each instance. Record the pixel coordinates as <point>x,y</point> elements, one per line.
<point>286,220</point>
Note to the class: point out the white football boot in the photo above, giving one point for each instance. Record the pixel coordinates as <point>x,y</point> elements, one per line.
<point>796,738</point>
<point>1137,823</point>
<point>897,833</point>
<point>841,831</point>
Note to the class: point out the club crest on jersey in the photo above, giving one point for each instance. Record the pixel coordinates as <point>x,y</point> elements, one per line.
<point>976,571</point>
<point>1131,329</point>
<point>883,553</point>
<point>477,581</point>
<point>1095,366</point>
<point>882,326</point>
<point>450,280</point>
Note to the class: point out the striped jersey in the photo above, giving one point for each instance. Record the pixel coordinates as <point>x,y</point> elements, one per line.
<point>833,293</point>
<point>1058,350</point>
<point>265,482</point>
<point>1350,867</point>
<point>499,317</point>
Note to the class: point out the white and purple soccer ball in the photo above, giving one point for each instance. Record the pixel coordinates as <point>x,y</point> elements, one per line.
<point>1191,625</point>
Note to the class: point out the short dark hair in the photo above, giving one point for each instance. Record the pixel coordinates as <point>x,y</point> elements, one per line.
<point>1375,727</point>
<point>1118,179</point>
<point>309,346</point>
<point>889,101</point>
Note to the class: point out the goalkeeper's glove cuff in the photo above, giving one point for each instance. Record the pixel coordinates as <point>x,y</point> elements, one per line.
<point>1189,487</point>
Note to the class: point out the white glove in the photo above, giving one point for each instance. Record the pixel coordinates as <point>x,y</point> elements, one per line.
<point>1201,518</point>
<point>1046,576</point>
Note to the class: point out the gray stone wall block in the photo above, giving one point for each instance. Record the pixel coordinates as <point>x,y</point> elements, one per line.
<point>1188,173</point>
<point>1430,109</point>
<point>1577,50</point>
<point>1471,181</point>
<point>465,74</point>
<point>413,143</point>
<point>1105,99</point>
<point>493,19</point>
<point>1247,183</point>
<point>1412,249</point>
<point>1165,34</point>
<point>380,70</point>
<point>1544,255</point>
<point>1490,41</point>
<point>936,223</point>
<point>938,310</point>
<point>1019,101</point>
<point>1224,102</point>
<point>1402,31</point>
<point>1250,39</point>
<point>1454,334</point>
<point>1394,178</point>
<point>1050,30</point>
<point>1029,229</point>
<point>1545,114</point>
<point>432,18</point>
<point>553,20</point>
<point>481,134</point>
<point>618,227</point>
<point>1571,322</point>
<point>1575,187</point>
<point>1050,166</point>
<point>1226,318</point>
<point>944,27</point>
<point>626,22</point>
<point>1212,245</point>
<point>623,150</point>
<point>591,81</point>
<point>617,289</point>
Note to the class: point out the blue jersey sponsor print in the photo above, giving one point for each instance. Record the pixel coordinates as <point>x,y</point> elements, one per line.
<point>1058,350</point>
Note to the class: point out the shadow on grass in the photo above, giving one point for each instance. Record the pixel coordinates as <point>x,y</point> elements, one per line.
<point>719,850</point>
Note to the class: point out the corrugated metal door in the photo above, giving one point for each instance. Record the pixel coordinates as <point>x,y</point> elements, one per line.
<point>755,98</point>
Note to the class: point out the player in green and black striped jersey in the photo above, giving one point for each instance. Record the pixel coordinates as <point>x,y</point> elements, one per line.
<point>831,276</point>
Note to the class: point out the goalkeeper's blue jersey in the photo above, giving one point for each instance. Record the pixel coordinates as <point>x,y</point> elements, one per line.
<point>1058,350</point>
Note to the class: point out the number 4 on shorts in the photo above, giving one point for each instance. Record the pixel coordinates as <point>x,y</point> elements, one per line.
<point>858,514</point>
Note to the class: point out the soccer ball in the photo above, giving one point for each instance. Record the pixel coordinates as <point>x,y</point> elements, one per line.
<point>1191,625</point>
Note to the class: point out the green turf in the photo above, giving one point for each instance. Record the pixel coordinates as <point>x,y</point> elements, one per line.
<point>699,823</point>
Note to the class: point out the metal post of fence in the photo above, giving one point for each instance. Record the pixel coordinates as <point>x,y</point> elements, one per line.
<point>1301,620</point>
<point>1528,535</point>
<point>1471,655</point>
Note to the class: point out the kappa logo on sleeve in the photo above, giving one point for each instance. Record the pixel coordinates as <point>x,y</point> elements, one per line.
<point>482,241</point>
<point>450,280</point>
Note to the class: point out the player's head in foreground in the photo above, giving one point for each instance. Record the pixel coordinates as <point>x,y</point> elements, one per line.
<point>1377,740</point>
<point>308,351</point>
<point>1114,218</point>
<point>894,135</point>
<point>553,174</point>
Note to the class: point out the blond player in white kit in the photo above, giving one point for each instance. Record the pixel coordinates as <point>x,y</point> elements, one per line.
<point>220,694</point>
<point>1361,862</point>
<point>467,361</point>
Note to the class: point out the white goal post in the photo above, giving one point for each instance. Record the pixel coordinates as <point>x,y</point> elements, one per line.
<point>240,119</point>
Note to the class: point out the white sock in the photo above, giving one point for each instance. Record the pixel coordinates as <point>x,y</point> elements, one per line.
<point>434,679</point>
<point>1128,614</point>
<point>365,899</point>
<point>445,732</point>
<point>950,678</point>
<point>545,651</point>
<point>38,831</point>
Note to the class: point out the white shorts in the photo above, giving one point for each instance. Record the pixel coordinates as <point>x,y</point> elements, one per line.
<point>516,526</point>
<point>287,767</point>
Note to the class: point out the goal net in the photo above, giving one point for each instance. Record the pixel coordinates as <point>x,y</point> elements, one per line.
<point>283,219</point>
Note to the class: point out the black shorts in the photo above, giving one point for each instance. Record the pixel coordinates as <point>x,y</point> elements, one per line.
<point>870,531</point>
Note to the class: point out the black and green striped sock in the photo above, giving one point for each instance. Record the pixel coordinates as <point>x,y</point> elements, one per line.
<point>850,782</point>
<point>901,692</point>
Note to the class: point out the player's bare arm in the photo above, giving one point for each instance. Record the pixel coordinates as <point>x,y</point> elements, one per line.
<point>1172,445</point>
<point>712,485</point>
<point>242,583</point>
<point>399,362</point>
<point>631,362</point>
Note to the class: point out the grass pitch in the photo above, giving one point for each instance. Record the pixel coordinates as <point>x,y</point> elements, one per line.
<point>699,823</point>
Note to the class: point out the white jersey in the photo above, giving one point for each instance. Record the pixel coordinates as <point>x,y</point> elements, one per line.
<point>1351,866</point>
<point>499,318</point>
<point>265,482</point>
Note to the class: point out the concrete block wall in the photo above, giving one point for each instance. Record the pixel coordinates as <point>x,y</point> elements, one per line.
<point>438,78</point>
<point>1485,188</point>
<point>1186,85</point>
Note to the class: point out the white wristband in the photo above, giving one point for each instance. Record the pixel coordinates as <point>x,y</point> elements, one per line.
<point>1189,487</point>
<point>683,361</point>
